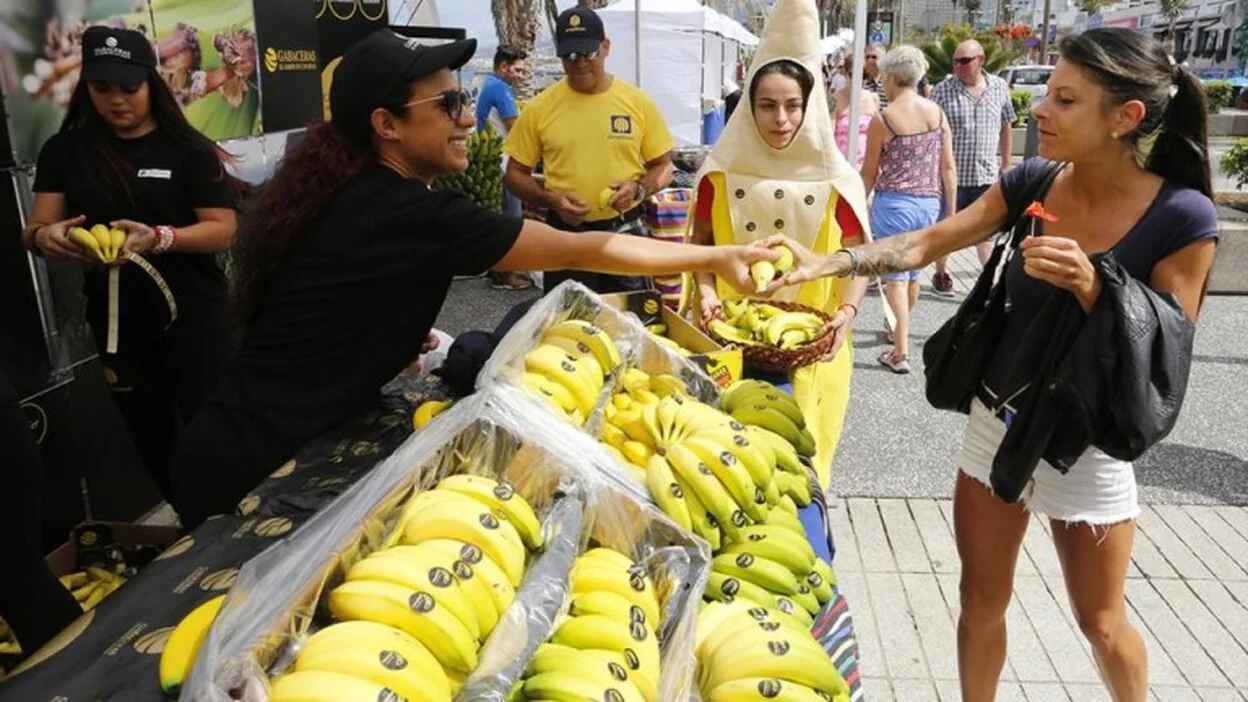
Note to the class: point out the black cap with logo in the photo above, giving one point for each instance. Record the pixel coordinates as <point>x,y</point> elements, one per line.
<point>578,31</point>
<point>379,63</point>
<point>121,56</point>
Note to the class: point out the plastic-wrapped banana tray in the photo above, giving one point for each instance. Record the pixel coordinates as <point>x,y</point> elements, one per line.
<point>283,595</point>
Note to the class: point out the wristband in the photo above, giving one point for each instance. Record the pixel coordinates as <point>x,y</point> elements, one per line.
<point>166,238</point>
<point>641,190</point>
<point>853,262</point>
<point>850,305</point>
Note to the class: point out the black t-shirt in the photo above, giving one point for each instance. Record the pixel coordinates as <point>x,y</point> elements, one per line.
<point>168,181</point>
<point>345,313</point>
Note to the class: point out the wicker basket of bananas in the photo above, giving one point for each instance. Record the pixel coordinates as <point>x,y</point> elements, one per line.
<point>773,336</point>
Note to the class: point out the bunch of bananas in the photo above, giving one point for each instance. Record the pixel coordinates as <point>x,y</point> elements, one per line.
<point>761,404</point>
<point>763,272</point>
<point>483,181</point>
<point>100,241</point>
<point>414,614</point>
<point>606,648</point>
<point>638,390</point>
<point>570,365</point>
<point>659,332</point>
<point>752,323</point>
<point>750,651</point>
<point>92,585</point>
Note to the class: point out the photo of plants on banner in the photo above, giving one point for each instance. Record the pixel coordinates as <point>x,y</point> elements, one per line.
<point>206,49</point>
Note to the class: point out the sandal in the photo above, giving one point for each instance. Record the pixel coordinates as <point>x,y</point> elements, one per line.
<point>897,364</point>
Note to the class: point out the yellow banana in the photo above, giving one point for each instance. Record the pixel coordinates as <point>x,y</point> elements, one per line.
<point>555,363</point>
<point>103,241</point>
<point>612,435</point>
<point>379,653</point>
<point>608,604</point>
<point>697,417</point>
<point>87,242</point>
<point>599,342</point>
<point>551,658</point>
<point>622,401</point>
<point>732,474</point>
<point>476,590</point>
<point>324,686</point>
<point>650,419</point>
<point>597,631</point>
<point>824,571</point>
<point>795,486</point>
<point>496,537</point>
<point>770,689</point>
<point>645,397</point>
<point>635,379</point>
<point>711,493</point>
<point>762,273</point>
<point>116,238</point>
<point>569,685</point>
<point>786,654</point>
<point>665,385</point>
<point>705,524</point>
<point>769,418</point>
<point>730,333</point>
<point>636,452</point>
<point>795,610</point>
<point>183,645</point>
<point>555,392</point>
<point>760,542</point>
<point>763,572</point>
<point>502,593</point>
<point>412,611</point>
<point>666,492</point>
<point>421,574</point>
<point>501,497</point>
<point>667,411</point>
<point>746,448</point>
<point>608,555</point>
<point>634,585</point>
<point>583,355</point>
<point>427,411</point>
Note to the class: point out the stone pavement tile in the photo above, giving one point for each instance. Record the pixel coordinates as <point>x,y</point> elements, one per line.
<point>915,691</point>
<point>896,626</point>
<point>1172,548</point>
<point>904,537</point>
<point>1038,544</point>
<point>847,557</point>
<point>1088,692</point>
<point>937,535</point>
<point>1237,517</point>
<point>949,588</point>
<point>1232,614</point>
<point>1222,533</point>
<point>1027,656</point>
<point>1010,692</point>
<point>1045,692</point>
<point>1173,637</point>
<point>937,632</point>
<point>949,691</point>
<point>1162,670</point>
<point>873,546</point>
<point>1198,542</point>
<point>1219,694</point>
<point>877,690</point>
<point>871,660</point>
<point>1207,628</point>
<point>1239,591</point>
<point>1174,693</point>
<point>1147,557</point>
<point>1064,645</point>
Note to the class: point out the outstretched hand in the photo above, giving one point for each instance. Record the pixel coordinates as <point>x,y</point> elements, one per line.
<point>732,264</point>
<point>807,264</point>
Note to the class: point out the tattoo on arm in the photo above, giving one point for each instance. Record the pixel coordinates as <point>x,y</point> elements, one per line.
<point>892,255</point>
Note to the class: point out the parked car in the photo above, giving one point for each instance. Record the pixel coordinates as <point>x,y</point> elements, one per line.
<point>1034,79</point>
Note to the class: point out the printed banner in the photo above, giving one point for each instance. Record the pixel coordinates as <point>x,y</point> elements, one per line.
<point>290,74</point>
<point>339,25</point>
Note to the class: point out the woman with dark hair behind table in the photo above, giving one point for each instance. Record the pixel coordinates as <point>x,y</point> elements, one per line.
<point>126,157</point>
<point>350,256</point>
<point>1130,128</point>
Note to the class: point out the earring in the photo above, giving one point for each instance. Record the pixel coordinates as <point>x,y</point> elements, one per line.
<point>1113,135</point>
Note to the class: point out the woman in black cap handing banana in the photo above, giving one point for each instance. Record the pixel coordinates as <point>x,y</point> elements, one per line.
<point>351,256</point>
<point>127,159</point>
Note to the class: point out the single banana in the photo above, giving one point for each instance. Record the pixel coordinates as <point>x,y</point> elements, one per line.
<point>787,654</point>
<point>732,474</point>
<point>762,273</point>
<point>730,333</point>
<point>423,574</point>
<point>412,611</point>
<point>622,401</point>
<point>751,391</point>
<point>553,658</point>
<point>760,542</point>
<point>183,645</point>
<point>630,422</point>
<point>763,572</point>
<point>634,379</point>
<point>555,392</point>
<point>569,686</point>
<point>806,442</point>
<point>103,240</point>
<point>806,598</point>
<point>795,610</point>
<point>786,456</point>
<point>87,242</point>
<point>324,686</point>
<point>746,449</point>
<point>667,493</point>
<point>769,689</point>
<point>824,571</point>
<point>665,385</point>
<point>787,504</point>
<point>769,418</point>
<point>379,653</point>
<point>645,397</point>
<point>599,342</point>
<point>116,238</point>
<point>583,355</point>
<point>726,588</point>
<point>633,585</point>
<point>597,631</point>
<point>484,569</point>
<point>608,604</point>
<point>637,453</point>
<point>650,419</point>
<point>795,486</point>
<point>696,417</point>
<point>705,524</point>
<point>608,555</point>
<point>555,364</point>
<point>711,493</point>
<point>667,411</point>
<point>612,435</point>
<point>501,497</point>
<point>496,537</point>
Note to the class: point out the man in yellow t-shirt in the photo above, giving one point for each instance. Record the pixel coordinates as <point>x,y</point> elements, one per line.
<point>602,143</point>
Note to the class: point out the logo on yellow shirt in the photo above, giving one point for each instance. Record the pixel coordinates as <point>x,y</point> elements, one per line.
<point>621,125</point>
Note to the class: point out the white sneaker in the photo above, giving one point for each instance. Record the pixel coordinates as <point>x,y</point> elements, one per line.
<point>897,364</point>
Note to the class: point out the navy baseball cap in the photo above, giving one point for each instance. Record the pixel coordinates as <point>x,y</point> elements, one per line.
<point>379,63</point>
<point>121,56</point>
<point>578,31</point>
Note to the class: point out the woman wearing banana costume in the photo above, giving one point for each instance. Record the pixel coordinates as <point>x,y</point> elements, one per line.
<point>351,256</point>
<point>777,170</point>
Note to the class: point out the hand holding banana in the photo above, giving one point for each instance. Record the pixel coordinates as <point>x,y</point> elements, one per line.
<point>100,243</point>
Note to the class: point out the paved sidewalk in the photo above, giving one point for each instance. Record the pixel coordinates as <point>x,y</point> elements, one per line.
<point>1187,589</point>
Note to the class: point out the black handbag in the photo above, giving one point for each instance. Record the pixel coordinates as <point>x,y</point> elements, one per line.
<point>955,356</point>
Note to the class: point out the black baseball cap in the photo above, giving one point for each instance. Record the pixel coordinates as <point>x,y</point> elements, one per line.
<point>121,56</point>
<point>578,31</point>
<point>379,63</point>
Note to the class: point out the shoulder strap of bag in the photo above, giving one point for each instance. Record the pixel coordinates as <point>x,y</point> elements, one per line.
<point>1035,189</point>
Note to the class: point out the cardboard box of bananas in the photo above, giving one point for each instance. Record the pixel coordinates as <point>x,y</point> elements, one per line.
<point>386,596</point>
<point>99,241</point>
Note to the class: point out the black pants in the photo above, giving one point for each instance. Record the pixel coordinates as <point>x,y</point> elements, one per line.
<point>32,600</point>
<point>159,381</point>
<point>628,223</point>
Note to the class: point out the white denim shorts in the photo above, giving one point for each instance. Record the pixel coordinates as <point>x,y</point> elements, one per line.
<point>1098,490</point>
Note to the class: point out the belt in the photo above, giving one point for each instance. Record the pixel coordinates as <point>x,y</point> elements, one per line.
<point>615,223</point>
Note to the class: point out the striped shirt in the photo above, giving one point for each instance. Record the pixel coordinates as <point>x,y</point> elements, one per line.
<point>976,124</point>
<point>877,87</point>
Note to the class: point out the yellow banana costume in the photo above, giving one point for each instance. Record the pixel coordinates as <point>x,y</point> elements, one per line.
<point>798,191</point>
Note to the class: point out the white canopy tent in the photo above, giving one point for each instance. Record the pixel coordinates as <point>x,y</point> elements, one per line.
<point>682,58</point>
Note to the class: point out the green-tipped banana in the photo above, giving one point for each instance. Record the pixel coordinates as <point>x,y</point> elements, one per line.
<point>786,455</point>
<point>732,474</point>
<point>501,497</point>
<point>795,486</point>
<point>763,572</point>
<point>667,493</point>
<point>768,417</point>
<point>730,333</point>
<point>805,442</point>
<point>760,542</point>
<point>711,493</point>
<point>748,391</point>
<point>594,664</point>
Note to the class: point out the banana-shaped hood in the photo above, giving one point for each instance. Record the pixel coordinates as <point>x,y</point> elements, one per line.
<point>792,33</point>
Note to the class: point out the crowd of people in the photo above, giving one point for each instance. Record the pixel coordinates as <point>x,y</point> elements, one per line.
<point>348,256</point>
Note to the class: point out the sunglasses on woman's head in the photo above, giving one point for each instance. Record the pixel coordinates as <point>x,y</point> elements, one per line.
<point>453,102</point>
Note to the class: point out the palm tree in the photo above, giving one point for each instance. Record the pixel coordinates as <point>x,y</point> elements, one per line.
<point>1171,9</point>
<point>516,23</point>
<point>1091,7</point>
<point>552,9</point>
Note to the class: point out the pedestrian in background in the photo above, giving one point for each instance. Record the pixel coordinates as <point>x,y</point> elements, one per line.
<point>871,78</point>
<point>868,108</point>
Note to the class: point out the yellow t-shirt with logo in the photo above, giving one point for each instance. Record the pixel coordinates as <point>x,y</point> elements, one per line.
<point>587,142</point>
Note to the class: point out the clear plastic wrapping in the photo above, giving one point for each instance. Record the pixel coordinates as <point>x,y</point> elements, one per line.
<point>274,603</point>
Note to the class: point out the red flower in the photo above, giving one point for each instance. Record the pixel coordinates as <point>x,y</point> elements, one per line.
<point>1036,210</point>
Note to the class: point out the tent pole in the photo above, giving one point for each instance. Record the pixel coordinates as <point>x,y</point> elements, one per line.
<point>637,35</point>
<point>855,90</point>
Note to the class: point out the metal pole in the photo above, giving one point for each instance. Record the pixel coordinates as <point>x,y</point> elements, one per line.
<point>1044,37</point>
<point>855,88</point>
<point>637,33</point>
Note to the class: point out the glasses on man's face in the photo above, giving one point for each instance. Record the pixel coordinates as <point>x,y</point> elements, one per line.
<point>452,102</point>
<point>965,60</point>
<point>578,55</point>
